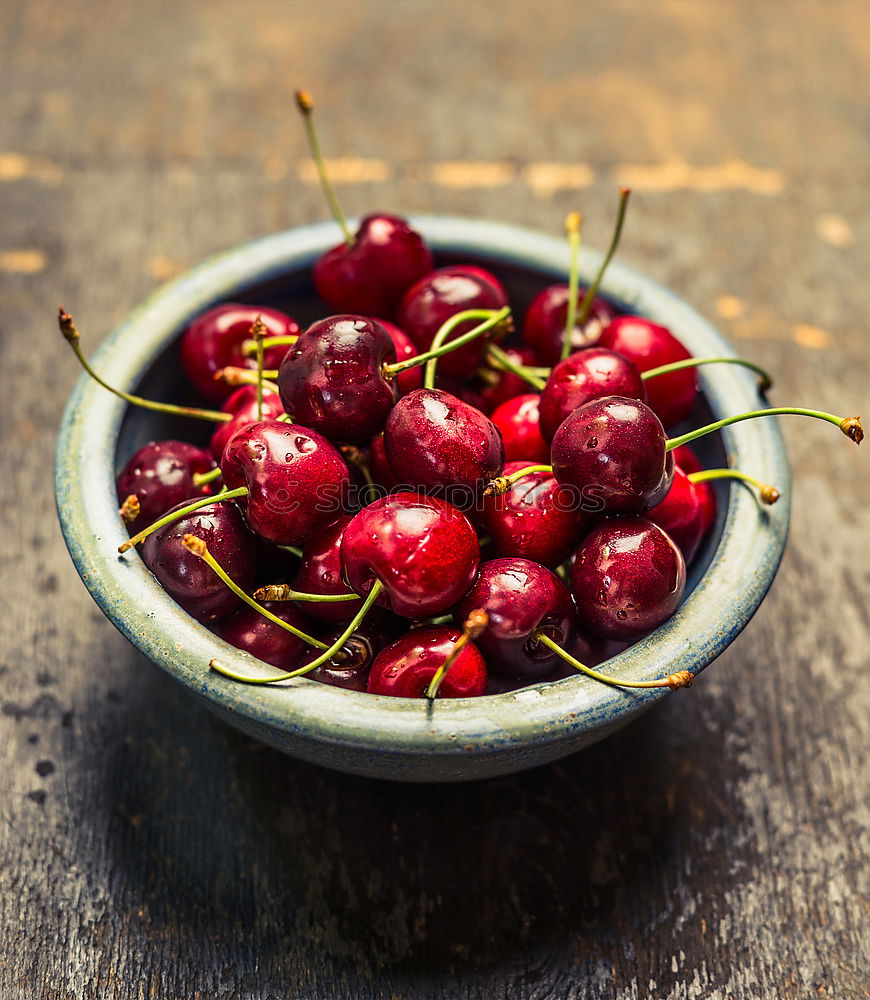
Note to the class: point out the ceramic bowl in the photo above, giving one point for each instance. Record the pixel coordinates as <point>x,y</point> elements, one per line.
<point>404,739</point>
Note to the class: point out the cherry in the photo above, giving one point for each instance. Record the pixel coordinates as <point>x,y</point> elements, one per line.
<point>189,581</point>
<point>296,480</point>
<point>520,597</point>
<point>584,376</point>
<point>467,393</point>
<point>406,667</point>
<point>438,443</point>
<point>161,474</point>
<point>422,549</point>
<point>351,665</point>
<point>432,300</point>
<point>244,408</point>
<point>320,573</point>
<point>382,474</point>
<point>536,518</point>
<point>649,345</point>
<point>545,319</point>
<point>332,379</point>
<point>247,629</point>
<point>518,422</point>
<point>411,378</point>
<point>507,384</point>
<point>681,514</point>
<point>627,578</point>
<point>214,340</point>
<point>616,448</point>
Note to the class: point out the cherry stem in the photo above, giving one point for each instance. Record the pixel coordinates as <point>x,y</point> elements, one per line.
<point>592,290</point>
<point>572,228</point>
<point>71,334</point>
<point>258,331</point>
<point>183,512</point>
<point>327,654</point>
<point>305,103</point>
<point>681,679</point>
<point>284,592</point>
<point>197,545</point>
<point>249,347</point>
<point>471,630</point>
<point>765,380</point>
<point>201,478</point>
<point>292,549</point>
<point>501,359</point>
<point>247,376</point>
<point>768,494</point>
<point>130,509</point>
<point>501,484</point>
<point>850,426</point>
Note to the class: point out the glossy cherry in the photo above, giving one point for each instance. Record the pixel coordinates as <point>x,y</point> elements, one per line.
<point>518,422</point>
<point>185,577</point>
<point>319,572</point>
<point>297,481</point>
<point>243,406</point>
<point>519,596</point>
<point>537,518</point>
<point>649,346</point>
<point>247,629</point>
<point>432,300</point>
<point>160,474</point>
<point>440,444</point>
<point>613,450</point>
<point>582,377</point>
<point>546,318</point>
<point>405,668</point>
<point>214,340</point>
<point>507,384</point>
<point>422,549</point>
<point>628,577</point>
<point>332,379</point>
<point>681,514</point>
<point>379,466</point>
<point>350,669</point>
<point>412,378</point>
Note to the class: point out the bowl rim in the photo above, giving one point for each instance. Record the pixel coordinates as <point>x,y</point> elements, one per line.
<point>133,601</point>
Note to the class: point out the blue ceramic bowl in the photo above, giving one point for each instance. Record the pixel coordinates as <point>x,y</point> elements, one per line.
<point>404,739</point>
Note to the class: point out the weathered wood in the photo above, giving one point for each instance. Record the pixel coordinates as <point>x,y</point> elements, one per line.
<point>718,847</point>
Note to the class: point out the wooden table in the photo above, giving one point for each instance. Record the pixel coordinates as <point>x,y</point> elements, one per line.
<point>717,848</point>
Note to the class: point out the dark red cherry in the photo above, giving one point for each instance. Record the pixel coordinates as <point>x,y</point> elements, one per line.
<point>422,549</point>
<point>185,577</point>
<point>412,378</point>
<point>518,423</point>
<point>214,341</point>
<point>613,450</point>
<point>247,629</point>
<point>508,385</point>
<point>582,377</point>
<point>370,277</point>
<point>438,443</point>
<point>537,518</point>
<point>430,302</point>
<point>519,596</point>
<point>628,577</point>
<point>351,667</point>
<point>462,390</point>
<point>320,573</point>
<point>405,668</point>
<point>332,378</point>
<point>649,346</point>
<point>297,480</point>
<point>161,475</point>
<point>680,514</point>
<point>243,406</point>
<point>546,318</point>
<point>379,467</point>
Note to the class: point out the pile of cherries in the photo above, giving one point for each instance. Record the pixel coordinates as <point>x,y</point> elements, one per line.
<point>412,497</point>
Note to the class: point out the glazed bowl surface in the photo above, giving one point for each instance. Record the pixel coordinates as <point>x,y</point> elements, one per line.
<point>393,738</point>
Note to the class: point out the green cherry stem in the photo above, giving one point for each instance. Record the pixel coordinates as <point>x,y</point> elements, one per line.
<point>71,334</point>
<point>284,592</point>
<point>592,290</point>
<point>196,545</point>
<point>249,347</point>
<point>572,228</point>
<point>441,346</point>
<point>305,103</point>
<point>201,478</point>
<point>133,540</point>
<point>765,380</point>
<point>258,332</point>
<point>247,376</point>
<point>850,426</point>
<point>681,679</point>
<point>294,550</point>
<point>474,625</point>
<point>327,654</point>
<point>768,494</point>
<point>501,359</point>
<point>501,484</point>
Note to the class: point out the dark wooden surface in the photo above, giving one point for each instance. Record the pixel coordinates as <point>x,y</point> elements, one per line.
<point>717,848</point>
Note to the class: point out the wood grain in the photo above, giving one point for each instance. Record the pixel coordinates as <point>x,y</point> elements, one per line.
<point>717,848</point>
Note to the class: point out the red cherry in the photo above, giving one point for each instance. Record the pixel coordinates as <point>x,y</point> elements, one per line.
<point>243,406</point>
<point>406,667</point>
<point>518,423</point>
<point>412,378</point>
<point>160,474</point>
<point>649,346</point>
<point>351,670</point>
<point>320,573</point>
<point>546,318</point>
<point>214,340</point>
<point>421,548</point>
<point>247,629</point>
<point>508,384</point>
<point>379,467</point>
<point>680,514</point>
